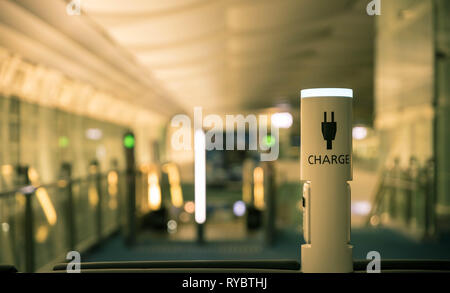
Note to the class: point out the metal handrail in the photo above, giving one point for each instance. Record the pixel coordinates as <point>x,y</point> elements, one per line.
<point>70,231</point>
<point>57,183</point>
<point>409,181</point>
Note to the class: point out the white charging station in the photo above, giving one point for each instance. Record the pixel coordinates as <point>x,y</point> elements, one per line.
<point>326,168</point>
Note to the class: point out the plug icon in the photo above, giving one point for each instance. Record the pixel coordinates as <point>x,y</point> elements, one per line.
<point>328,130</point>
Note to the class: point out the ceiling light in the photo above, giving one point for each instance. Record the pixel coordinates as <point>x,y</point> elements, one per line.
<point>94,134</point>
<point>326,92</point>
<point>359,132</point>
<point>282,120</point>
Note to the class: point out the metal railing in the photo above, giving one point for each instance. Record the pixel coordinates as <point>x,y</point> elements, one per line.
<point>406,196</point>
<point>40,224</point>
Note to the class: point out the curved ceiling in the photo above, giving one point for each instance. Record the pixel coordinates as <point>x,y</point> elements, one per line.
<point>227,55</point>
<point>223,55</point>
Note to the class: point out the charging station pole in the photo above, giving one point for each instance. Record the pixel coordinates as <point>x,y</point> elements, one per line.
<point>326,168</point>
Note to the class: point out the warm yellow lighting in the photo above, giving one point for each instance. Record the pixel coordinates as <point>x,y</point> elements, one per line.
<point>154,191</point>
<point>374,220</point>
<point>258,187</point>
<point>246,192</point>
<point>174,181</point>
<point>189,207</point>
<point>47,87</point>
<point>247,181</point>
<point>112,190</point>
<point>177,196</point>
<point>20,199</point>
<point>93,195</point>
<point>41,234</point>
<point>76,190</point>
<point>47,205</point>
<point>7,170</point>
<point>43,197</point>
<point>113,179</point>
<point>144,168</point>
<point>112,204</point>
<point>33,176</point>
<point>62,183</point>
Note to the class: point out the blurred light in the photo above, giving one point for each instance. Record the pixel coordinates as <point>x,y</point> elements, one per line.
<point>258,187</point>
<point>247,170</point>
<point>112,204</point>
<point>100,152</point>
<point>247,192</point>
<point>93,195</point>
<point>359,132</point>
<point>189,207</point>
<point>41,234</point>
<point>94,134</point>
<point>154,191</point>
<point>7,170</point>
<point>269,140</point>
<point>63,142</point>
<point>129,141</point>
<point>361,208</point>
<point>5,227</point>
<point>62,183</point>
<point>174,181</point>
<point>326,92</point>
<point>184,217</point>
<point>20,198</point>
<point>47,205</point>
<point>176,196</point>
<point>33,176</point>
<point>239,208</point>
<point>282,120</point>
<point>144,168</point>
<point>200,176</point>
<point>374,220</point>
<point>172,226</point>
<point>112,179</point>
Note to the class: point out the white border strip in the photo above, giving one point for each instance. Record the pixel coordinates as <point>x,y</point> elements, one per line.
<point>326,92</point>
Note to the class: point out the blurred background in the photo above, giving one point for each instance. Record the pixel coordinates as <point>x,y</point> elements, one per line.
<point>88,89</point>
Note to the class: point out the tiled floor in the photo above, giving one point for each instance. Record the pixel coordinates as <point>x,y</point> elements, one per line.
<point>390,244</point>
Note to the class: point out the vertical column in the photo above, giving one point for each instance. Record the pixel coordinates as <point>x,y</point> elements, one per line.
<point>270,196</point>
<point>28,192</point>
<point>129,142</point>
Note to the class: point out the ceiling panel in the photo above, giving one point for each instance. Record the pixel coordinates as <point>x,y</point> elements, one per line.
<point>226,55</point>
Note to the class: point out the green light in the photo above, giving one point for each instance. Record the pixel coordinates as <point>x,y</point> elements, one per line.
<point>128,141</point>
<point>269,140</point>
<point>63,141</point>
